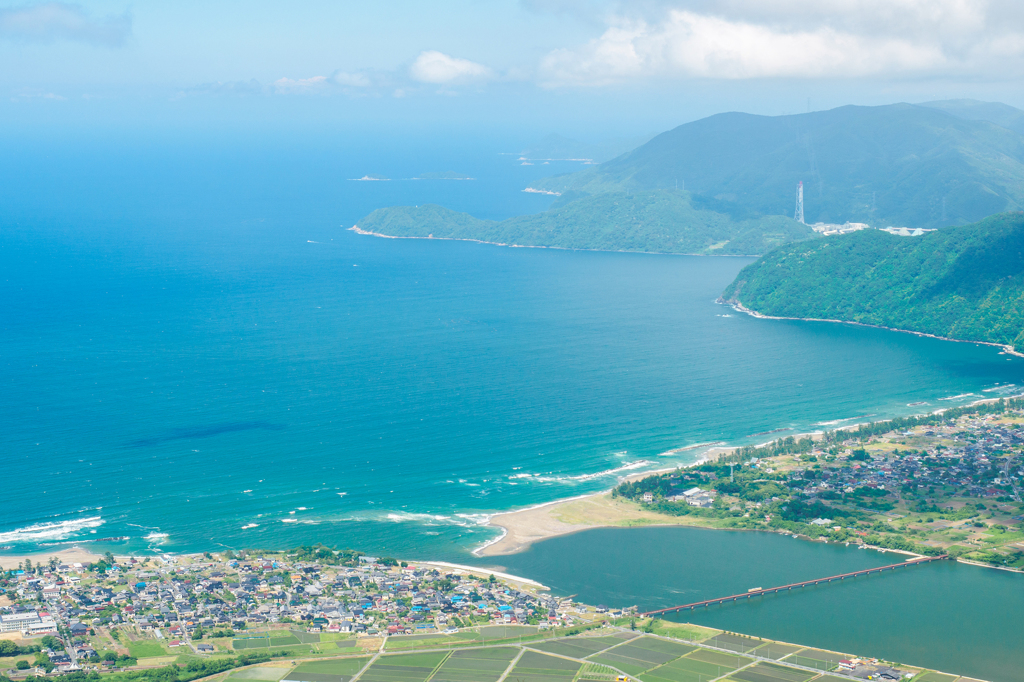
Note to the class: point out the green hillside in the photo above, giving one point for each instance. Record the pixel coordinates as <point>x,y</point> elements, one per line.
<point>660,221</point>
<point>902,164</point>
<point>963,283</point>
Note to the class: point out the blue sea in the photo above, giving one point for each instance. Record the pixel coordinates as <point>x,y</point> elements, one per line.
<point>195,352</point>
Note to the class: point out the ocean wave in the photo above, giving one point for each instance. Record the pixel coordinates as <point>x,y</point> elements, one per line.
<point>550,478</point>
<point>157,537</point>
<point>957,397</point>
<point>57,530</point>
<point>250,525</point>
<point>464,520</point>
<point>840,421</point>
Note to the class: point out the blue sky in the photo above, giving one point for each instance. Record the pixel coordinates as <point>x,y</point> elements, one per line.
<point>590,67</point>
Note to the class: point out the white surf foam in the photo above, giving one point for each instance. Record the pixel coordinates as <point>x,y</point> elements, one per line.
<point>57,530</point>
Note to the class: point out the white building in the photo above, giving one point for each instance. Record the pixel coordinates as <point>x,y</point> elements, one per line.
<point>28,623</point>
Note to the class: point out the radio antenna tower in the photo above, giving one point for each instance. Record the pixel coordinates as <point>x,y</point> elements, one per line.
<point>799,215</point>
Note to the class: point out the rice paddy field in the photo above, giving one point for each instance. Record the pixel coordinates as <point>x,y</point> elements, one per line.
<point>524,654</point>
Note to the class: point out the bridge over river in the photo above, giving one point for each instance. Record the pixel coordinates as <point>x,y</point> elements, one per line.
<point>759,592</point>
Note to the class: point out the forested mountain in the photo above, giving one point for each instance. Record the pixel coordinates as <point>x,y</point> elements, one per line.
<point>994,112</point>
<point>658,221</point>
<point>902,164</point>
<point>962,282</point>
<point>726,184</point>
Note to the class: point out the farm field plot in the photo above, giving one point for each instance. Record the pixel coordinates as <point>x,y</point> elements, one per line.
<point>737,643</point>
<point>771,672</point>
<point>817,659</point>
<point>475,665</point>
<point>642,654</point>
<point>403,668</point>
<point>775,651</point>
<point>686,670</point>
<point>537,667</point>
<point>337,670</point>
<point>661,646</point>
<point>718,658</point>
<point>633,659</point>
<point>578,647</point>
<point>267,674</point>
<point>492,632</point>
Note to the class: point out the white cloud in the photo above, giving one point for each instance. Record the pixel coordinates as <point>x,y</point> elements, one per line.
<point>436,67</point>
<point>301,85</point>
<point>736,39</point>
<point>237,88</point>
<point>30,94</point>
<point>51,21</point>
<point>351,80</point>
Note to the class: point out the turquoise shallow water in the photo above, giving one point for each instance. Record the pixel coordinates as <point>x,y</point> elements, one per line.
<point>193,360</point>
<point>947,616</point>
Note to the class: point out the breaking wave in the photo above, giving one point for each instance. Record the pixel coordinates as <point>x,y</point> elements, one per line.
<point>549,478</point>
<point>57,530</point>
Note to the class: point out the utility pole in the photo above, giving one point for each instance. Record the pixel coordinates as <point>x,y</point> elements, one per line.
<point>799,213</point>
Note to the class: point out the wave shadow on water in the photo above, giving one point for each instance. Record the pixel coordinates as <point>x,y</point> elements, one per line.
<point>203,432</point>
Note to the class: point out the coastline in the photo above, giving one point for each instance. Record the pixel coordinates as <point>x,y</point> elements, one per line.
<point>739,307</point>
<point>70,555</point>
<point>368,233</point>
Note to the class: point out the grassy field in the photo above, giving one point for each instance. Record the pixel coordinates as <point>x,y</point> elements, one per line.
<point>146,648</point>
<point>263,673</point>
<point>337,670</point>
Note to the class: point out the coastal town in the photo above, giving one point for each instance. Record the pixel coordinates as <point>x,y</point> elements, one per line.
<point>950,485</point>
<point>322,615</point>
<point>202,604</point>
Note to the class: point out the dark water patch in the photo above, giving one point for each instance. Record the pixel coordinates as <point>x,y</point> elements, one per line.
<point>188,433</point>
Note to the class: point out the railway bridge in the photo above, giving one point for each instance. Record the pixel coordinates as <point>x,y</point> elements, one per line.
<point>806,583</point>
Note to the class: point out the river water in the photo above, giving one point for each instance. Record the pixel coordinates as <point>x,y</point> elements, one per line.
<point>952,617</point>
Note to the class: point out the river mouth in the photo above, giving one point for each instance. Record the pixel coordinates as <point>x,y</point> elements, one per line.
<point>943,615</point>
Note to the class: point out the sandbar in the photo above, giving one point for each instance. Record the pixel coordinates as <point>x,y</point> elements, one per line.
<point>524,527</point>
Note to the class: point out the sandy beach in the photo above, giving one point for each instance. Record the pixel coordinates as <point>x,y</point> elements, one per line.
<point>523,528</point>
<point>72,555</point>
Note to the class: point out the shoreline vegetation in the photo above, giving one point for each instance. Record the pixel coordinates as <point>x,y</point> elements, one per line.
<point>882,485</point>
<point>959,283</point>
<point>740,308</point>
